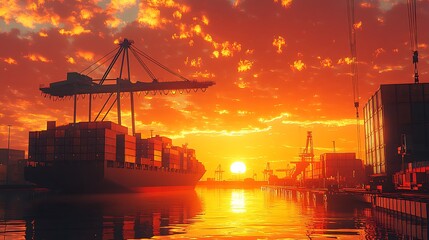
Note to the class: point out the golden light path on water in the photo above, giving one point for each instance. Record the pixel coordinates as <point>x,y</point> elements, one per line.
<point>206,213</point>
<point>256,214</point>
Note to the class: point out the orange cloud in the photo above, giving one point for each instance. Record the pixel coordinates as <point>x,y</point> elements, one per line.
<point>194,62</point>
<point>205,20</point>
<point>358,25</point>
<point>279,42</point>
<point>284,3</point>
<point>366,5</point>
<point>150,17</point>
<point>89,56</point>
<point>326,63</point>
<point>76,30</point>
<point>121,5</point>
<point>387,68</point>
<point>327,123</point>
<point>37,58</point>
<point>346,60</point>
<point>298,65</point>
<point>177,14</point>
<point>10,60</point>
<point>28,14</point>
<point>244,65</point>
<point>239,132</point>
<point>70,60</point>
<point>282,115</point>
<point>241,83</point>
<point>228,49</point>
<point>379,51</point>
<point>150,14</point>
<point>86,14</point>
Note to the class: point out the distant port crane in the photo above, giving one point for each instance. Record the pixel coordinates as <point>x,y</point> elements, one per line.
<point>218,173</point>
<point>81,84</point>
<point>307,157</point>
<point>267,172</point>
<point>288,170</point>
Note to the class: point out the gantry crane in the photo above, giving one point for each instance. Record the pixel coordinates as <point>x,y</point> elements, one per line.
<point>267,172</point>
<point>288,171</point>
<point>81,84</point>
<point>307,157</point>
<point>218,173</point>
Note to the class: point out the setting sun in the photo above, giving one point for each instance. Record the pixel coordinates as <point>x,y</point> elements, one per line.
<point>238,167</point>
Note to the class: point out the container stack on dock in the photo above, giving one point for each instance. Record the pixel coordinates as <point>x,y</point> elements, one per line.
<point>338,168</point>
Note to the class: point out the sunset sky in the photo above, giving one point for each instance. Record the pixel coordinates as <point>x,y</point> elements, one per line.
<point>281,67</point>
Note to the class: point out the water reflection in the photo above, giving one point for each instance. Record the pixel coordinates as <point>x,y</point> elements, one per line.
<point>200,214</point>
<point>238,201</point>
<point>115,216</point>
<point>350,219</point>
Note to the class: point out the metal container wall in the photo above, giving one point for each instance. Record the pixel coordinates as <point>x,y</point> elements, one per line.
<point>77,142</point>
<point>125,148</point>
<point>396,109</point>
<point>170,158</point>
<point>341,166</point>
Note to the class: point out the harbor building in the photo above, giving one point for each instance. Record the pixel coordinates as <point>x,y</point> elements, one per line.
<point>12,163</point>
<point>396,121</point>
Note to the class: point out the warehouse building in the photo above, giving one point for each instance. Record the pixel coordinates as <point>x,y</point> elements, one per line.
<point>12,165</point>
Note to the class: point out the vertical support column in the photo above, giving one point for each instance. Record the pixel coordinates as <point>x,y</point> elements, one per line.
<point>118,100</point>
<point>132,113</point>
<point>74,108</point>
<point>89,107</point>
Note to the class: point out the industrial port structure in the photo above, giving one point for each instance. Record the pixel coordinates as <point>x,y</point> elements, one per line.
<point>396,120</point>
<point>101,156</point>
<point>81,84</point>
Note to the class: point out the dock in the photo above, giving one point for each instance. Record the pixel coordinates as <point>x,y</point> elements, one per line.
<point>412,206</point>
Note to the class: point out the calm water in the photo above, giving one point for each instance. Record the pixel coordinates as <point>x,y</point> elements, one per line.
<point>202,214</point>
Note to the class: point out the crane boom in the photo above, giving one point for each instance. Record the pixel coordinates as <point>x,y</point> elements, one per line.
<point>71,87</point>
<point>81,84</point>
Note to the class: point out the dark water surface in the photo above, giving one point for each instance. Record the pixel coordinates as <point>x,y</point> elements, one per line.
<point>201,214</point>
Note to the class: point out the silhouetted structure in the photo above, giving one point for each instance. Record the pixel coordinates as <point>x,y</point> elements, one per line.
<point>81,84</point>
<point>394,113</point>
<point>100,155</point>
<point>12,163</point>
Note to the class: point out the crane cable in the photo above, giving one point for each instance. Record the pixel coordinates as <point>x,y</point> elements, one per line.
<point>354,67</point>
<point>412,24</point>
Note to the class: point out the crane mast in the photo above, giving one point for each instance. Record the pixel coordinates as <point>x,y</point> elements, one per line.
<point>354,68</point>
<point>307,155</point>
<point>78,84</point>
<point>218,173</point>
<point>412,24</point>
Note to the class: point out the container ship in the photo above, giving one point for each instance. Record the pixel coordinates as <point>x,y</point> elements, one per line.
<point>102,157</point>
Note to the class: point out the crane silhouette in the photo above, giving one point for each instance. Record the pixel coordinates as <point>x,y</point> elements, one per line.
<point>81,84</point>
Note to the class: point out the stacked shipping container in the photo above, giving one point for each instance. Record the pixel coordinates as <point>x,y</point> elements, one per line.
<point>341,167</point>
<point>107,141</point>
<point>82,141</point>
<point>396,110</point>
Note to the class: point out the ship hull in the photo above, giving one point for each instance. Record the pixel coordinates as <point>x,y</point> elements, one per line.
<point>100,176</point>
